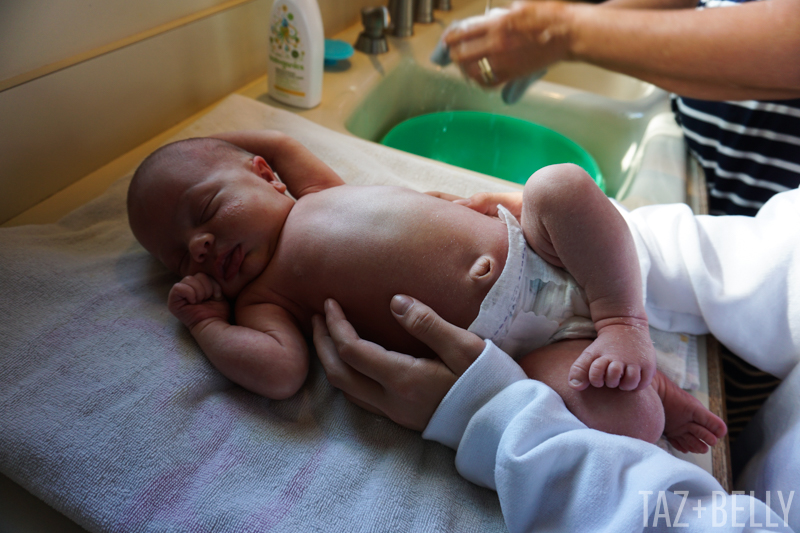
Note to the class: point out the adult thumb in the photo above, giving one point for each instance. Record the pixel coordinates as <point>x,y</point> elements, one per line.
<point>456,347</point>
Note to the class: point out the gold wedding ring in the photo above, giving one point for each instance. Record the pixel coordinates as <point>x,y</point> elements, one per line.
<point>487,74</point>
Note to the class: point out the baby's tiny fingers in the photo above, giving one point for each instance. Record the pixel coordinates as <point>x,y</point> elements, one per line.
<point>205,289</point>
<point>195,286</point>
<point>217,291</point>
<point>211,287</point>
<point>185,291</point>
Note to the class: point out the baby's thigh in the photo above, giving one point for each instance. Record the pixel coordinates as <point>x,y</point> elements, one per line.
<point>637,414</point>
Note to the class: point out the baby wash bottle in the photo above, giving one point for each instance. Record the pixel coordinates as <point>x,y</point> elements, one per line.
<point>296,53</point>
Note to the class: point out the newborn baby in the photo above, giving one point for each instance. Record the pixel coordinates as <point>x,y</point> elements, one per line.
<point>214,211</point>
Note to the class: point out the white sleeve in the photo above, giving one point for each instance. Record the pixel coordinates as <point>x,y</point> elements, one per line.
<point>736,277</point>
<point>552,473</point>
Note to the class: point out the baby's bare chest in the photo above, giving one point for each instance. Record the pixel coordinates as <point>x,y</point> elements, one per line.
<point>362,245</point>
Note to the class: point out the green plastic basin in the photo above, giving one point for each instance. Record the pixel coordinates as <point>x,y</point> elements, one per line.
<point>505,147</point>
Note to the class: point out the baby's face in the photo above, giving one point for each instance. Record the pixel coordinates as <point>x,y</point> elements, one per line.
<point>226,225</point>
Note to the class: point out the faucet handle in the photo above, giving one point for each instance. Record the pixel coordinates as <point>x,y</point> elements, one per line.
<point>372,40</point>
<point>375,20</point>
<point>402,17</point>
<point>423,11</point>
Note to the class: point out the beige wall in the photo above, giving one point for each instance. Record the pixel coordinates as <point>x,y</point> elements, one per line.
<point>34,33</point>
<point>84,81</point>
<point>340,14</point>
<point>38,33</point>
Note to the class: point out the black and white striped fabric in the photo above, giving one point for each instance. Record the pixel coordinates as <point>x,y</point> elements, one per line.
<point>750,150</point>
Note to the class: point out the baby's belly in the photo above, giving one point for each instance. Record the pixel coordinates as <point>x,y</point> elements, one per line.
<point>442,254</point>
<point>455,296</point>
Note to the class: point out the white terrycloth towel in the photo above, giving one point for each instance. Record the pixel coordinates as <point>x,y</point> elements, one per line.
<point>110,413</point>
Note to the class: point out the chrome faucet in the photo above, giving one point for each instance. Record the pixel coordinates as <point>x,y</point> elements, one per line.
<point>373,39</point>
<point>424,11</point>
<point>402,16</point>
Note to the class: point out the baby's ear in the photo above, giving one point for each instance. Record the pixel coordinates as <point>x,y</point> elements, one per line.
<point>262,168</point>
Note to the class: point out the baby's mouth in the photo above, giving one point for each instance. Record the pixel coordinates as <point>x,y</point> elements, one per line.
<point>231,262</point>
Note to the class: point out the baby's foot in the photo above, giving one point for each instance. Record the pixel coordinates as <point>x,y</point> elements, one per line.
<point>621,356</point>
<point>688,425</point>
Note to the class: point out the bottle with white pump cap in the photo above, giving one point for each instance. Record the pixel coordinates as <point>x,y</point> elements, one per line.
<point>296,53</point>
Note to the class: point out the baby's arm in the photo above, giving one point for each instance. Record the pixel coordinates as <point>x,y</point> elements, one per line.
<point>570,223</point>
<point>265,354</point>
<point>298,168</point>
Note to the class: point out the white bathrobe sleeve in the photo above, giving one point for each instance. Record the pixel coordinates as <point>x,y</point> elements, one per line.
<point>552,473</point>
<point>736,277</point>
<point>733,276</point>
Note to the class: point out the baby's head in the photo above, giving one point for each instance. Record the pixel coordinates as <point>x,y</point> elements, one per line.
<point>205,205</point>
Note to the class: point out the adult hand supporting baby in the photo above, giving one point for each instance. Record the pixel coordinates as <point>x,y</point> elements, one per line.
<point>401,387</point>
<point>486,202</point>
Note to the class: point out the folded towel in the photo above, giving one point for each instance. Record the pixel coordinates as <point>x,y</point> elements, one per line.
<point>110,413</point>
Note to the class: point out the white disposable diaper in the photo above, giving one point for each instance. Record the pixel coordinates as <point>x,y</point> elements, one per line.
<point>533,303</point>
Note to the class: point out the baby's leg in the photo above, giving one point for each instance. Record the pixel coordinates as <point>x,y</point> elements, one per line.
<point>638,414</point>
<point>645,414</point>
<point>570,223</point>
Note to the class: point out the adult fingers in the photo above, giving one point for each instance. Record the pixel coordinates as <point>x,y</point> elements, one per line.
<point>405,389</point>
<point>465,30</point>
<point>485,69</point>
<point>456,347</point>
<point>364,356</point>
<point>445,196</point>
<point>340,374</point>
<point>366,406</point>
<point>487,202</point>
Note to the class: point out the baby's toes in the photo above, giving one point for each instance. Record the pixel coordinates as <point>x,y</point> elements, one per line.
<point>614,373</point>
<point>598,372</point>
<point>579,372</point>
<point>703,434</point>
<point>715,425</point>
<point>677,444</point>
<point>632,378</point>
<point>688,443</point>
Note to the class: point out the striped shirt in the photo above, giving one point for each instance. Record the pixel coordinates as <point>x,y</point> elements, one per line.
<point>749,150</point>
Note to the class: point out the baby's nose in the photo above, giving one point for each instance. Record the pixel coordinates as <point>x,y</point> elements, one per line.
<point>200,246</point>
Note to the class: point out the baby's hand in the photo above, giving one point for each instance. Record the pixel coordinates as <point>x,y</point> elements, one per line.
<point>197,298</point>
<point>621,356</point>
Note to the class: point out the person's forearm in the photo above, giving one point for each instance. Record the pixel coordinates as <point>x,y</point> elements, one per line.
<point>731,276</point>
<point>741,52</point>
<point>515,436</point>
<point>649,4</point>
